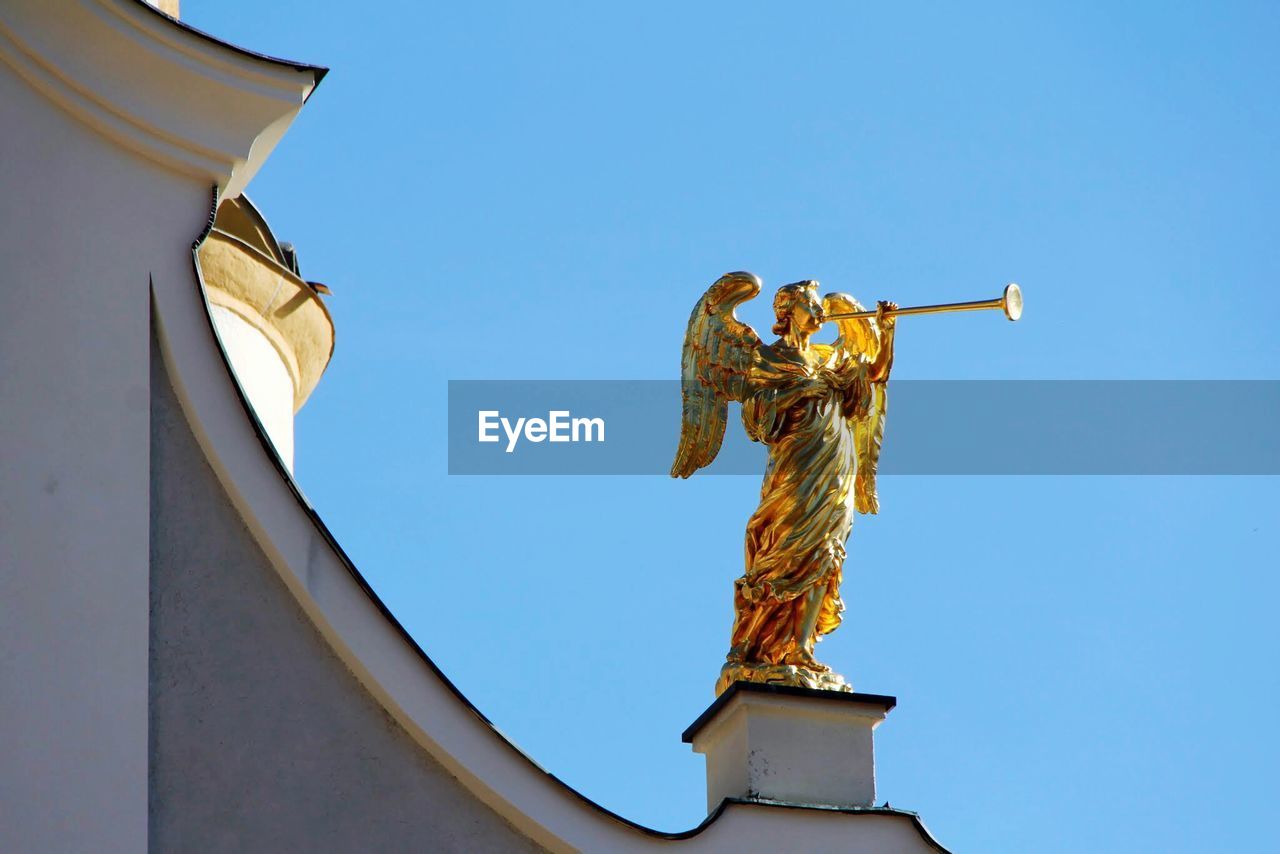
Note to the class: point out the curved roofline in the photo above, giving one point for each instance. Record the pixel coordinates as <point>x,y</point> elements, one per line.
<point>320,527</point>
<point>318,71</point>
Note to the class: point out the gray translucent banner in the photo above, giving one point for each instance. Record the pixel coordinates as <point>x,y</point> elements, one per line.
<point>934,427</point>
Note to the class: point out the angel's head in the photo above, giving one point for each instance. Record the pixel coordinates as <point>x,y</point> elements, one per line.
<point>798,310</point>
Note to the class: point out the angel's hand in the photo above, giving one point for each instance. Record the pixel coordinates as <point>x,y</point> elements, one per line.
<point>885,320</point>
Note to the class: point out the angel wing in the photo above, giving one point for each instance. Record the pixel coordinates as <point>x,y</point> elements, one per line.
<point>859,338</point>
<point>718,352</point>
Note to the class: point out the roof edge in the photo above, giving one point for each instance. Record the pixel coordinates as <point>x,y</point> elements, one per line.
<point>317,71</point>
<point>303,504</point>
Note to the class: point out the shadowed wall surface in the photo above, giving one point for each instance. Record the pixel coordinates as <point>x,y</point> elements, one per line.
<point>260,738</point>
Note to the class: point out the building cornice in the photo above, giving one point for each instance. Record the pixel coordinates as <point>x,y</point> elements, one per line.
<point>169,93</point>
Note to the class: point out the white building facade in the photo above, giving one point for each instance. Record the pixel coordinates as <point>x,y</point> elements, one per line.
<point>188,660</point>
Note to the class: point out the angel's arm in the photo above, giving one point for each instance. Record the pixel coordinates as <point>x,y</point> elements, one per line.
<point>862,339</point>
<point>878,371</point>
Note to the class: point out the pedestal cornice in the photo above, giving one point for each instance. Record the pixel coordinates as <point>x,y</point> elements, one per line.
<point>879,700</point>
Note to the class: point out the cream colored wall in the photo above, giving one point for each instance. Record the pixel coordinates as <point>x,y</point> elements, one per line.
<point>118,124</point>
<point>74,402</point>
<point>293,755</point>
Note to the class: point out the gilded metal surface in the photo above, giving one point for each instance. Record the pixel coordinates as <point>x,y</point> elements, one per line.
<point>820,409</point>
<point>1010,302</point>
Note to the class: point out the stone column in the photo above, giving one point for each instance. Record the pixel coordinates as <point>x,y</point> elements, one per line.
<point>272,324</point>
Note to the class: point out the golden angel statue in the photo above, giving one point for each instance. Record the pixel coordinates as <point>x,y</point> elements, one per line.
<point>820,409</point>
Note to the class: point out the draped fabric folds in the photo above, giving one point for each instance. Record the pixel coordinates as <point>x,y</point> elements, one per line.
<point>795,541</point>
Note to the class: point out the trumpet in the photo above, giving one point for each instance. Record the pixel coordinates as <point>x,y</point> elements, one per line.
<point>1010,302</point>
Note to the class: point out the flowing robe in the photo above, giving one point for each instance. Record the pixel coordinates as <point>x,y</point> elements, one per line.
<point>795,543</point>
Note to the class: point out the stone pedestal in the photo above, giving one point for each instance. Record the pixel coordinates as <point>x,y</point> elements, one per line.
<point>778,743</point>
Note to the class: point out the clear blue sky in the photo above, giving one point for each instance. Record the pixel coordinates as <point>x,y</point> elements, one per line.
<point>541,190</point>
